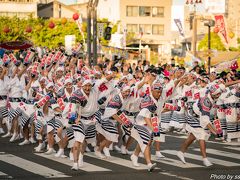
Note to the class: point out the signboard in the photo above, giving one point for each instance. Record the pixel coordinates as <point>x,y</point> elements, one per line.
<point>69,43</point>
<point>100,29</point>
<point>215,6</point>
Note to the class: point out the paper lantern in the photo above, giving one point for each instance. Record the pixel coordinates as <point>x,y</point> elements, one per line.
<point>64,21</point>
<point>231,35</point>
<point>75,16</point>
<point>234,66</point>
<point>51,25</point>
<point>6,29</point>
<point>216,30</point>
<point>28,29</point>
<point>16,30</point>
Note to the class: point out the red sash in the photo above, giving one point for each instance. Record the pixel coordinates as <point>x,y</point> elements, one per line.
<point>154,121</point>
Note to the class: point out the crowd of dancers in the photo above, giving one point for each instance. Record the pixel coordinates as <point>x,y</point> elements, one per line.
<point>51,98</point>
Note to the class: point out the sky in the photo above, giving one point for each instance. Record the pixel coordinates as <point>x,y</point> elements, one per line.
<point>68,1</point>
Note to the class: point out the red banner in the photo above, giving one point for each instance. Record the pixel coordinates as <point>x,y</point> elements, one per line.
<point>220,24</point>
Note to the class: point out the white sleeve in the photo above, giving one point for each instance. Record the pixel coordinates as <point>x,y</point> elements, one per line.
<point>145,113</point>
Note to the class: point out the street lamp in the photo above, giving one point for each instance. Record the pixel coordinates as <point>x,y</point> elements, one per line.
<point>92,15</point>
<point>193,23</point>
<point>210,23</point>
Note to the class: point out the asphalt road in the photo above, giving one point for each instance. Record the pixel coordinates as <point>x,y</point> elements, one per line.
<point>21,162</point>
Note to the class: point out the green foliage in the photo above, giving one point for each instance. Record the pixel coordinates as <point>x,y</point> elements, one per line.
<point>216,43</point>
<point>238,40</point>
<point>130,37</point>
<point>41,34</point>
<point>154,58</point>
<point>234,49</point>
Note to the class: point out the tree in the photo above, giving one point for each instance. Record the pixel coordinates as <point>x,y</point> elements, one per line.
<point>216,43</point>
<point>130,37</point>
<point>41,34</point>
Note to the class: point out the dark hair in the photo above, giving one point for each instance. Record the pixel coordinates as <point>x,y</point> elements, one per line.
<point>100,66</point>
<point>115,69</point>
<point>144,63</point>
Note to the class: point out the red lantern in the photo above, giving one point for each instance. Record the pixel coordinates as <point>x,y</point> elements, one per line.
<point>28,29</point>
<point>6,29</point>
<point>231,34</point>
<point>75,16</point>
<point>216,30</point>
<point>51,25</point>
<point>234,66</point>
<point>64,21</point>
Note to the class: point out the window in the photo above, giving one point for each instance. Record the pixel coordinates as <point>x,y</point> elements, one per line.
<point>132,11</point>
<point>144,11</point>
<point>145,28</point>
<point>132,28</point>
<point>158,29</point>
<point>157,11</point>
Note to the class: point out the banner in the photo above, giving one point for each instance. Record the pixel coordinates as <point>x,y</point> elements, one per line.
<point>69,43</point>
<point>179,25</point>
<point>221,26</point>
<point>79,24</point>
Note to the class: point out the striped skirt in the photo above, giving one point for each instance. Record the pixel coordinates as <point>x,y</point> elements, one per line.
<point>90,132</point>
<point>13,113</point>
<point>70,136</point>
<point>233,130</point>
<point>178,120</point>
<point>39,125</point>
<point>193,126</point>
<point>165,119</point>
<point>106,128</point>
<point>3,112</point>
<point>79,133</point>
<point>142,135</point>
<point>23,119</point>
<point>126,133</point>
<point>51,125</point>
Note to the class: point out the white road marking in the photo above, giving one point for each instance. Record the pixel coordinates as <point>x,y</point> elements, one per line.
<point>221,153</point>
<point>174,162</point>
<point>175,176</point>
<point>121,162</point>
<point>198,157</point>
<point>233,143</point>
<point>2,174</point>
<point>86,166</point>
<point>31,166</point>
<point>233,148</point>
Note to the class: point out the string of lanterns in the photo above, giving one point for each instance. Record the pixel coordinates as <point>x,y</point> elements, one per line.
<point>6,29</point>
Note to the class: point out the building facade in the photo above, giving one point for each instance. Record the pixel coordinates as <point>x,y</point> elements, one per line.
<point>232,15</point>
<point>19,8</point>
<point>55,9</point>
<point>150,21</point>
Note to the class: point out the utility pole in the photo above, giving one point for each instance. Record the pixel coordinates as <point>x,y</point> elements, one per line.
<point>194,35</point>
<point>194,25</point>
<point>209,49</point>
<point>210,23</point>
<point>92,15</point>
<point>89,36</point>
<point>95,56</point>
